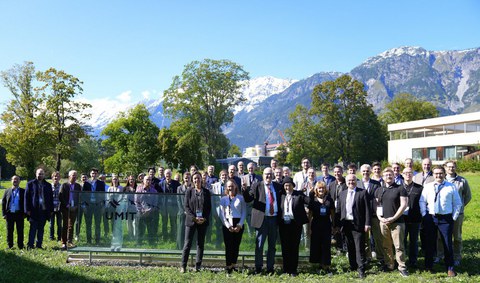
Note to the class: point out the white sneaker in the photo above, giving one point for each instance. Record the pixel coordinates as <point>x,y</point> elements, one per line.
<point>374,255</point>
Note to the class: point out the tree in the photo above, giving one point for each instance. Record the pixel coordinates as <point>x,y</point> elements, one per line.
<point>181,145</point>
<point>63,113</point>
<point>87,154</point>
<point>406,107</point>
<point>134,137</point>
<point>340,125</point>
<point>25,137</point>
<point>206,93</point>
<point>282,154</point>
<point>234,150</point>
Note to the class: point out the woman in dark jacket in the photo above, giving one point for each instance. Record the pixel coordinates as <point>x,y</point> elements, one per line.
<point>198,205</point>
<point>322,212</point>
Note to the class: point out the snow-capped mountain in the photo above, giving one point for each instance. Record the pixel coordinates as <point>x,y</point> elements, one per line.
<point>259,89</point>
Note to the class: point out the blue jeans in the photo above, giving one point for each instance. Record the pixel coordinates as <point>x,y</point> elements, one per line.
<point>411,237</point>
<point>268,229</point>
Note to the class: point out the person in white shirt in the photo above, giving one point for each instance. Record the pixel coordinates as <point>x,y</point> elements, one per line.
<point>233,211</point>
<point>440,205</point>
<point>301,177</point>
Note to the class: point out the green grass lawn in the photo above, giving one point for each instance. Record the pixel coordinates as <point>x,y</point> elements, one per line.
<point>50,265</point>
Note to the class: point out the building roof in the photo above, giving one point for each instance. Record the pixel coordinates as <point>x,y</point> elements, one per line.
<point>445,120</point>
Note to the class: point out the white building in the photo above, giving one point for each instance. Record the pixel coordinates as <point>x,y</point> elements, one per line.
<point>441,139</point>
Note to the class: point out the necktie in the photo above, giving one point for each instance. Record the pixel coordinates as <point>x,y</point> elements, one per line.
<point>271,200</point>
<point>251,179</point>
<point>437,206</point>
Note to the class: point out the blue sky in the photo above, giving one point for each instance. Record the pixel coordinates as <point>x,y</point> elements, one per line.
<point>129,49</point>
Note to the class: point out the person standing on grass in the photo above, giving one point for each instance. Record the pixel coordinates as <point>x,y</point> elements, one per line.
<point>13,212</point>
<point>465,195</point>
<point>56,219</point>
<point>392,200</point>
<point>440,205</point>
<point>69,199</point>
<point>198,205</point>
<point>181,190</point>
<point>322,214</point>
<point>293,218</point>
<point>233,211</point>
<point>355,221</point>
<point>266,210</point>
<point>38,208</point>
<point>412,215</point>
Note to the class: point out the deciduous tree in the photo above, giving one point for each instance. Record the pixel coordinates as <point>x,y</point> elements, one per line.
<point>134,137</point>
<point>206,93</point>
<point>405,107</point>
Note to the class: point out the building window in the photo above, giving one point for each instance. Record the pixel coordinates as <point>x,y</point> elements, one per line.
<point>432,153</point>
<point>450,152</point>
<point>417,154</point>
<point>472,127</point>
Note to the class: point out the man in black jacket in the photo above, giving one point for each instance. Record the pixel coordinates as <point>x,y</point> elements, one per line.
<point>12,211</point>
<point>412,216</point>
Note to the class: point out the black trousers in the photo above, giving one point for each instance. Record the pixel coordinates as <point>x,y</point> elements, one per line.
<point>442,225</point>
<point>290,235</point>
<point>15,219</point>
<point>355,246</point>
<point>232,242</point>
<point>189,233</point>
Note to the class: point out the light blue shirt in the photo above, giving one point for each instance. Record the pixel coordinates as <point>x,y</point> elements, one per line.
<point>448,199</point>
<point>15,203</point>
<point>267,200</point>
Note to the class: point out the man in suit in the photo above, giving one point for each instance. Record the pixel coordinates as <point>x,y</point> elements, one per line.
<point>13,211</point>
<point>168,208</point>
<point>211,178</point>
<point>251,178</point>
<point>38,207</point>
<point>293,218</point>
<point>426,176</point>
<point>96,204</point>
<point>371,186</point>
<point>240,167</point>
<point>69,200</point>
<point>265,213</point>
<point>355,220</point>
<point>84,200</point>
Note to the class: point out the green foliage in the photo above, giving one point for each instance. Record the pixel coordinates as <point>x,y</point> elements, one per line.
<point>340,125</point>
<point>134,137</point>
<point>87,154</point>
<point>282,154</point>
<point>234,151</point>
<point>25,137</point>
<point>406,107</point>
<point>180,145</point>
<point>468,165</point>
<point>63,113</point>
<point>206,93</point>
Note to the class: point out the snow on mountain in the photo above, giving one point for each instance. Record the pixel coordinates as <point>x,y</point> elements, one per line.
<point>396,52</point>
<point>261,88</point>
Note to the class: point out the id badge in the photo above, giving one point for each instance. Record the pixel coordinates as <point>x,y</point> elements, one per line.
<point>380,210</point>
<point>199,214</point>
<point>405,212</point>
<point>323,210</point>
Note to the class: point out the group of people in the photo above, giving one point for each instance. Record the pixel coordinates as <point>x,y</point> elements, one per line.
<point>375,217</point>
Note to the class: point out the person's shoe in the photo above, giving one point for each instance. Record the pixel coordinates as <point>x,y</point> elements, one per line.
<point>64,247</point>
<point>270,272</point>
<point>258,271</point>
<point>451,273</point>
<point>76,238</point>
<point>374,255</point>
<point>456,263</point>
<point>404,273</point>
<point>293,274</point>
<point>71,245</point>
<point>183,269</point>
<point>361,274</point>
<point>436,260</point>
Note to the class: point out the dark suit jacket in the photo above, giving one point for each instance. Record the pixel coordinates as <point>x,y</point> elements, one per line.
<point>332,190</point>
<point>64,195</point>
<point>360,209</point>
<point>191,205</point>
<point>169,188</point>
<point>257,194</point>
<point>32,204</point>
<point>99,186</point>
<point>372,188</point>
<point>7,198</point>
<point>299,200</point>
